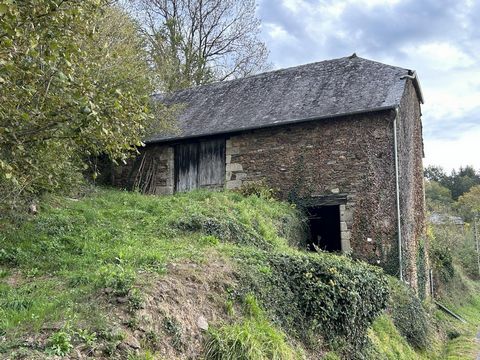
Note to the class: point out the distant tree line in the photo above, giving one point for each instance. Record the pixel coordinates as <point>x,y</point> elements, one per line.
<point>458,181</point>
<point>457,192</point>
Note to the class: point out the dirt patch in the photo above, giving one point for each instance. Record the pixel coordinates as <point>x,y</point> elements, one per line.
<point>178,308</point>
<point>14,279</point>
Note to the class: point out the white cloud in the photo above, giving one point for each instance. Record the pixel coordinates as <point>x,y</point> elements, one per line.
<point>442,56</point>
<point>277,32</point>
<point>450,154</point>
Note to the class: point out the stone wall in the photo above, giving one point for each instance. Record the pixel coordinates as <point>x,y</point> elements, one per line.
<point>412,199</point>
<point>349,156</point>
<point>348,159</point>
<point>151,172</point>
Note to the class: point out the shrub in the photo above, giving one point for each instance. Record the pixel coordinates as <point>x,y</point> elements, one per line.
<point>311,294</point>
<point>409,316</point>
<point>249,340</point>
<point>135,300</point>
<point>257,188</point>
<point>87,337</point>
<point>224,228</point>
<point>442,260</point>
<point>118,278</point>
<point>59,344</point>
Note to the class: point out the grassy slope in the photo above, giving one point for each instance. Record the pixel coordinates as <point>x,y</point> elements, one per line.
<point>54,269</point>
<point>464,299</point>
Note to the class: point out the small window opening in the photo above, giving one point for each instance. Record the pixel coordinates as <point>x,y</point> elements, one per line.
<point>324,228</point>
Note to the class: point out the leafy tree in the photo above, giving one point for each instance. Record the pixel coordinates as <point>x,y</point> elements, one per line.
<point>74,83</point>
<point>436,173</point>
<point>470,202</point>
<point>439,198</point>
<point>194,42</point>
<point>463,180</point>
<point>458,182</point>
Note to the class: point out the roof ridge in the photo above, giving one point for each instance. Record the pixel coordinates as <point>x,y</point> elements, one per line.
<point>317,90</point>
<point>354,56</point>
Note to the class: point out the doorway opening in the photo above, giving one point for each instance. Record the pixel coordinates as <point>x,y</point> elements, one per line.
<point>324,224</point>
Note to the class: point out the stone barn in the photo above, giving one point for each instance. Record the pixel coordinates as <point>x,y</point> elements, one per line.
<point>342,137</point>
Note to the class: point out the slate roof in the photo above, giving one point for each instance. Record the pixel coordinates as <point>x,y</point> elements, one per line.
<point>314,91</point>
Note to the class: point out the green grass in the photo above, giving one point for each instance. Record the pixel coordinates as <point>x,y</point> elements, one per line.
<point>463,344</point>
<point>388,343</point>
<point>254,338</point>
<point>462,296</point>
<point>53,267</point>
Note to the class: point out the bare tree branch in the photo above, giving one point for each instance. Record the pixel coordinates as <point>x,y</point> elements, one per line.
<point>192,42</point>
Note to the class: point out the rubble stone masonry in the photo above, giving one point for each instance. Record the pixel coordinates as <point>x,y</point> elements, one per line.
<point>349,158</point>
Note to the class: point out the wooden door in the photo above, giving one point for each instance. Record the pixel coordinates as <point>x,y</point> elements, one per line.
<point>200,164</point>
<point>186,167</point>
<point>211,166</point>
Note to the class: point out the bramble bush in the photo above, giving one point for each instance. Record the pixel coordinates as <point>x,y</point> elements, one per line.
<point>312,294</point>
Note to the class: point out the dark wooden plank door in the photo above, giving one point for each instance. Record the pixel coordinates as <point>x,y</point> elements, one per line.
<point>186,167</point>
<point>211,166</point>
<point>200,164</point>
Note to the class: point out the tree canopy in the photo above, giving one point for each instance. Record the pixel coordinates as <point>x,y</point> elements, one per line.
<point>458,182</point>
<point>74,83</point>
<point>470,203</point>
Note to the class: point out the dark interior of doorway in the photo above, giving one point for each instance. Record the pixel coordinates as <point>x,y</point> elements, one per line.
<point>324,224</point>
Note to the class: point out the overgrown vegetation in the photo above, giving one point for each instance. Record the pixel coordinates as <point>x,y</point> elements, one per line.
<point>91,255</point>
<point>74,83</point>
<point>322,299</point>
<point>78,275</point>
<point>254,338</point>
<point>408,315</point>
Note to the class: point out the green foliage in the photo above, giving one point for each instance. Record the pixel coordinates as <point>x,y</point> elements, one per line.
<point>87,337</point>
<point>439,198</point>
<point>443,240</point>
<point>252,308</point>
<point>59,344</point>
<point>466,255</point>
<point>210,240</point>
<point>312,294</point>
<point>257,188</point>
<point>135,300</point>
<point>174,330</point>
<point>469,203</point>
<point>244,225</point>
<point>408,314</point>
<point>251,339</point>
<point>388,344</point>
<point>458,182</point>
<point>464,301</point>
<point>74,83</point>
<point>110,236</point>
<point>442,260</point>
<point>116,277</point>
<point>147,355</point>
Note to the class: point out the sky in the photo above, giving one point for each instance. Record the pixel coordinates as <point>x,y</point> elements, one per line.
<point>438,38</point>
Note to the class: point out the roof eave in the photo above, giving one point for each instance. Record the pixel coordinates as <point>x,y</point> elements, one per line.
<point>274,124</point>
